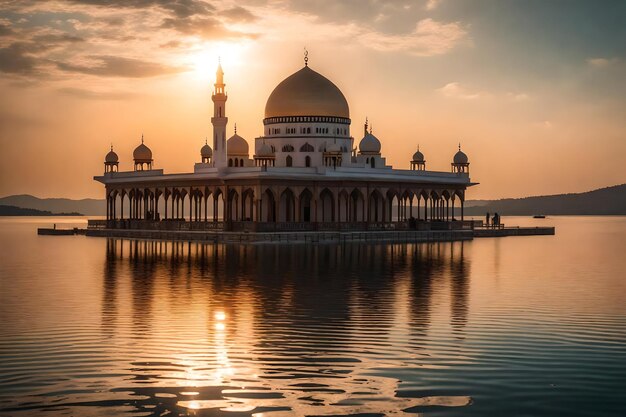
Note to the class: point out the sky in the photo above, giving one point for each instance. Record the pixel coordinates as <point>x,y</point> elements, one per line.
<point>535,91</point>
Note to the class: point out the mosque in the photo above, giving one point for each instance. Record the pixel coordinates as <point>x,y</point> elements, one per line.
<point>305,174</point>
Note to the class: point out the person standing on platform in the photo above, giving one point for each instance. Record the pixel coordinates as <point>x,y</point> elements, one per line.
<point>487,220</point>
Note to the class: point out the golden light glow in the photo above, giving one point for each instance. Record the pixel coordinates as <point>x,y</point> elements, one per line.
<point>220,315</point>
<point>203,59</point>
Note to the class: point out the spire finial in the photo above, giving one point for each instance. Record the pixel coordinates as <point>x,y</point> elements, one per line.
<point>111,146</point>
<point>370,129</point>
<point>366,125</point>
<point>142,138</point>
<point>418,147</point>
<point>206,140</point>
<point>235,128</point>
<point>459,146</point>
<point>306,57</point>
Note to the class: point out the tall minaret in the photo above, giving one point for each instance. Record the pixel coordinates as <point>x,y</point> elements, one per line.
<point>219,119</point>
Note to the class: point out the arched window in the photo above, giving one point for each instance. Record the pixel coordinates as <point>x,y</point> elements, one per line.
<point>308,130</point>
<point>288,148</point>
<point>241,162</point>
<point>236,162</point>
<point>230,162</point>
<point>307,161</point>
<point>307,147</point>
<point>289,161</point>
<point>373,163</point>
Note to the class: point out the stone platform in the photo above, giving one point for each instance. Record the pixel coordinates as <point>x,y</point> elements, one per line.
<point>288,237</point>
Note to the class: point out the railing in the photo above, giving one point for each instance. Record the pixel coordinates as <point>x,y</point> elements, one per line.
<point>96,224</point>
<point>249,226</point>
<point>171,225</point>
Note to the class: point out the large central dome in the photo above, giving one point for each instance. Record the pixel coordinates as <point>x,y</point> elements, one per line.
<point>306,93</point>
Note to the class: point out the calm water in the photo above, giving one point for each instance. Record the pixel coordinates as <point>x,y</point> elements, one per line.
<point>519,326</point>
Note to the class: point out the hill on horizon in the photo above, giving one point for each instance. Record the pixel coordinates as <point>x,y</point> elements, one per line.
<point>87,206</point>
<point>603,201</point>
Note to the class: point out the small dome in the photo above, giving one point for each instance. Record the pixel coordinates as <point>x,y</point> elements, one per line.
<point>111,157</point>
<point>333,148</point>
<point>460,158</point>
<point>306,93</point>
<point>142,152</point>
<point>369,144</point>
<point>206,151</point>
<point>237,145</point>
<point>418,156</point>
<point>265,150</point>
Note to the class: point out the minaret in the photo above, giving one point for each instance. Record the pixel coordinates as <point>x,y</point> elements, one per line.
<point>219,119</point>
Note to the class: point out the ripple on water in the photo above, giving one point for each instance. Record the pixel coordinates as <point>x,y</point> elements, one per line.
<point>155,328</point>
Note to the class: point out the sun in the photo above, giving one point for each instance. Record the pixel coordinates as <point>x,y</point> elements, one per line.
<point>204,58</point>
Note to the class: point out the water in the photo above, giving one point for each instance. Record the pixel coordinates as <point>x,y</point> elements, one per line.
<point>518,326</point>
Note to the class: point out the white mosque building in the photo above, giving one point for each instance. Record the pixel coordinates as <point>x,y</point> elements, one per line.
<point>306,173</point>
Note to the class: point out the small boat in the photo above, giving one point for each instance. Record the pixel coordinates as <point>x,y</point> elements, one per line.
<point>539,216</point>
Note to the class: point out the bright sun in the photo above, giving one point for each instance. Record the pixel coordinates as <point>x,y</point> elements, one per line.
<point>204,58</point>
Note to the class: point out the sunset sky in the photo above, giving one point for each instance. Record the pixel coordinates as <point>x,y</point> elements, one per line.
<point>535,91</point>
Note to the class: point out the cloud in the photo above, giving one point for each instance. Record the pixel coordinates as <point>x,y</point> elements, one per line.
<point>518,96</point>
<point>179,8</point>
<point>56,39</point>
<point>5,30</point>
<point>457,91</point>
<point>602,62</point>
<point>207,28</point>
<point>20,58</point>
<point>432,4</point>
<point>95,95</point>
<point>239,14</point>
<point>427,39</point>
<point>114,66</point>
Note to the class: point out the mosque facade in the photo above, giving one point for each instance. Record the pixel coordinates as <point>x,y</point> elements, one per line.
<point>305,173</point>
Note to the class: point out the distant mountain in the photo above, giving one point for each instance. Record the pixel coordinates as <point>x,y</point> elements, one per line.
<point>20,211</point>
<point>604,201</point>
<point>88,206</point>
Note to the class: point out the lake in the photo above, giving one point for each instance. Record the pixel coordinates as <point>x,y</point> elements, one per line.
<point>515,326</point>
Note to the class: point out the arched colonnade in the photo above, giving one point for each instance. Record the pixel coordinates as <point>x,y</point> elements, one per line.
<point>284,203</point>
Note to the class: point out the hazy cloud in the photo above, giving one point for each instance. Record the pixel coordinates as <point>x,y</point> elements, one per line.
<point>456,90</point>
<point>55,39</point>
<point>518,96</point>
<point>95,95</point>
<point>432,4</point>
<point>428,38</point>
<point>602,62</point>
<point>18,58</point>
<point>5,30</point>
<point>239,14</point>
<point>114,66</point>
<point>180,8</point>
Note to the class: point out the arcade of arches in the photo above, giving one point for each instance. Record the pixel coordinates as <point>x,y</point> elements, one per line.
<point>286,204</point>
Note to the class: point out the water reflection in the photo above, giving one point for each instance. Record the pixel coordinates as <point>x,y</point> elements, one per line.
<point>268,330</point>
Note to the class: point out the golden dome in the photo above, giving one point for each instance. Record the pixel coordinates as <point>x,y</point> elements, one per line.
<point>237,146</point>
<point>111,157</point>
<point>306,93</point>
<point>142,153</point>
<point>206,151</point>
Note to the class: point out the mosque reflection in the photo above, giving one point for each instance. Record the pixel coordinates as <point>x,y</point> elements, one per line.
<point>278,329</point>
